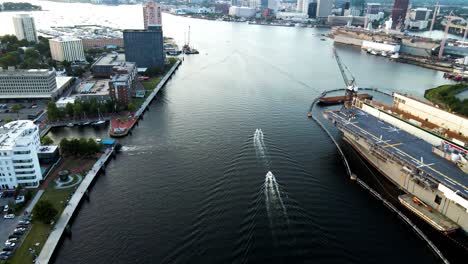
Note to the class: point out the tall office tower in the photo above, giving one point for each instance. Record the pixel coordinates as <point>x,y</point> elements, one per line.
<point>399,12</point>
<point>25,27</point>
<point>312,10</point>
<point>145,47</point>
<point>305,6</point>
<point>299,5</point>
<point>151,14</point>
<point>273,5</point>
<point>324,8</point>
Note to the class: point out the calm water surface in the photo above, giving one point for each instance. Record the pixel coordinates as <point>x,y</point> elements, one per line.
<point>191,184</point>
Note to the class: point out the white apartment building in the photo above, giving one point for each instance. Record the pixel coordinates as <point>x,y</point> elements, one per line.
<point>33,83</point>
<point>25,27</point>
<point>19,163</point>
<point>67,49</point>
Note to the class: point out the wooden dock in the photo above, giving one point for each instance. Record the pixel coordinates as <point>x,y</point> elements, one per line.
<point>62,223</point>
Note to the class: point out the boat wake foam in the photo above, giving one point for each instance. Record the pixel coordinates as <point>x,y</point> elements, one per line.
<point>276,210</point>
<point>260,148</point>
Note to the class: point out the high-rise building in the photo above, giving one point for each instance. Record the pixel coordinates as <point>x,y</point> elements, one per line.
<point>312,10</point>
<point>357,7</point>
<point>324,8</point>
<point>19,162</point>
<point>273,5</point>
<point>305,6</point>
<point>299,5</point>
<point>399,12</point>
<point>25,27</point>
<point>264,3</point>
<point>145,47</point>
<point>67,49</point>
<point>374,8</point>
<point>151,14</point>
<point>344,6</point>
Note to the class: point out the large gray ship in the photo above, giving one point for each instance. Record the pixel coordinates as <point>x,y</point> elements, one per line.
<point>418,147</point>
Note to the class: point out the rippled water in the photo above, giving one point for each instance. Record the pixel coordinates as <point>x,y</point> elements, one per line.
<point>192,184</point>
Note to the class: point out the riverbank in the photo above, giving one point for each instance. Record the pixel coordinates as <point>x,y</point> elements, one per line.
<point>448,97</point>
<point>121,126</point>
<point>70,209</point>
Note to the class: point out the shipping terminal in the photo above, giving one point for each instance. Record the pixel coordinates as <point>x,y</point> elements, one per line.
<point>419,147</point>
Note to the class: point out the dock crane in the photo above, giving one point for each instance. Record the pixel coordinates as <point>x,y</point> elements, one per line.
<point>350,84</point>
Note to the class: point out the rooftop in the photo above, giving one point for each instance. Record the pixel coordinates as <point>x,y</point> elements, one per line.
<point>405,146</point>
<point>30,72</point>
<point>110,59</point>
<point>10,132</point>
<point>65,39</point>
<point>47,149</point>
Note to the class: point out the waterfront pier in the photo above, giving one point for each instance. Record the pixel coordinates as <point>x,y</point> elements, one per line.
<point>62,223</point>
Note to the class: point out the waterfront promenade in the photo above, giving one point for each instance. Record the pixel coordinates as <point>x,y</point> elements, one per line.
<point>128,125</point>
<point>62,223</point>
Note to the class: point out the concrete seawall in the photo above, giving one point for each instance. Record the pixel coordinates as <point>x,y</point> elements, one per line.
<point>62,223</point>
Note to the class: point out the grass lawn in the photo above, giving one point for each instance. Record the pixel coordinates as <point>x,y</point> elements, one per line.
<point>151,83</point>
<point>445,95</point>
<point>58,197</point>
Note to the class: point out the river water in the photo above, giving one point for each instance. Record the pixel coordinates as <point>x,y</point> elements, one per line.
<point>192,184</point>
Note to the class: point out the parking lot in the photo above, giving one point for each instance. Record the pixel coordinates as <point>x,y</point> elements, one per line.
<point>7,226</point>
<point>29,109</point>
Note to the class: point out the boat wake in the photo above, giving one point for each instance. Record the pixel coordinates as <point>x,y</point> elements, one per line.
<point>260,148</point>
<point>276,210</point>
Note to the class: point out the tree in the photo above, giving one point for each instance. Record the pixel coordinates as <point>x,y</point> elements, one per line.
<point>77,109</point>
<point>16,108</point>
<point>44,211</point>
<point>69,109</point>
<point>65,146</point>
<point>53,113</point>
<point>131,107</point>
<point>46,140</point>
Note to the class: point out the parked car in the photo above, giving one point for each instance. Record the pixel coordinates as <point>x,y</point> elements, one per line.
<point>7,249</point>
<point>9,216</point>
<point>12,236</point>
<point>12,240</point>
<point>4,257</point>
<point>6,253</point>
<point>18,233</point>
<point>10,244</point>
<point>21,229</point>
<point>5,208</point>
<point>23,222</point>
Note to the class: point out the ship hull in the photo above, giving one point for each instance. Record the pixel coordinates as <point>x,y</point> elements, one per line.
<point>395,173</point>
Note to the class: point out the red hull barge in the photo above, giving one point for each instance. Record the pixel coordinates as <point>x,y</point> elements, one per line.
<point>334,100</point>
